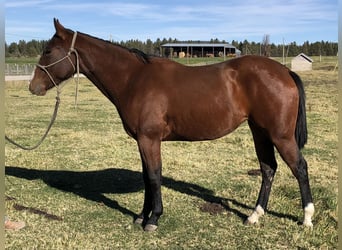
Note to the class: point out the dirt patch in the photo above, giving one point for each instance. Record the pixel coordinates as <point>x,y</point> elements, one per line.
<point>254,172</point>
<point>212,207</point>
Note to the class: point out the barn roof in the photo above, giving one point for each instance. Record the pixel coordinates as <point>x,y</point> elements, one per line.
<point>303,56</point>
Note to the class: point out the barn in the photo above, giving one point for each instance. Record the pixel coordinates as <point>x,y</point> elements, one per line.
<point>301,63</point>
<point>200,49</point>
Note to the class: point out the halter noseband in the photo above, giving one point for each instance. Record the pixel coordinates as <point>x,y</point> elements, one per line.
<point>68,56</point>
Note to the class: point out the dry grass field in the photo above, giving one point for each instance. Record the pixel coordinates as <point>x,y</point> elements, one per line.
<point>83,186</point>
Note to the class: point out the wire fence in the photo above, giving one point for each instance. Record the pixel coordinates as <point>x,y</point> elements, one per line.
<point>13,69</point>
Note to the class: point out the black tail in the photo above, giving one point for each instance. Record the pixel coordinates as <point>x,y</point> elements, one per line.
<point>301,132</point>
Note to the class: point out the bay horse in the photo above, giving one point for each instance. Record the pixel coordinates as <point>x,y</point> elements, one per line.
<point>161,100</point>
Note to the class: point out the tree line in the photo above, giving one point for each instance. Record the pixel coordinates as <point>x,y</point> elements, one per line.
<point>34,48</point>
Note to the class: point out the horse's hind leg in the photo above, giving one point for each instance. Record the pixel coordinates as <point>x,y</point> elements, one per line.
<point>290,153</point>
<point>268,165</point>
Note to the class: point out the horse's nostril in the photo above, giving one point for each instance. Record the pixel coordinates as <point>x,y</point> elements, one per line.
<point>30,88</point>
<point>37,89</point>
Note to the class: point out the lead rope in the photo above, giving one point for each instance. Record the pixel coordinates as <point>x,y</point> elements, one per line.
<point>72,50</point>
<point>78,76</point>
<point>54,115</point>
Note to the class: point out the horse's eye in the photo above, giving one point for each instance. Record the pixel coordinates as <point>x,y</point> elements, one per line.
<point>47,51</point>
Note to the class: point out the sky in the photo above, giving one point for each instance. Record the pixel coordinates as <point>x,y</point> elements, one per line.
<point>199,20</point>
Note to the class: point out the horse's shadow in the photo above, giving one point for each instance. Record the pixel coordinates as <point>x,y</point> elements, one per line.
<point>92,185</point>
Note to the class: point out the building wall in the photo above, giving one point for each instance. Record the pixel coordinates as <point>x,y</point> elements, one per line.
<point>300,64</point>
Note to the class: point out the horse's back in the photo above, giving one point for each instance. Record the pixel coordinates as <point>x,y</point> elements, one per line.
<point>207,102</point>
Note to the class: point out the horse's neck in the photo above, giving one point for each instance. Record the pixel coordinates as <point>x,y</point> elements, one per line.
<point>107,66</point>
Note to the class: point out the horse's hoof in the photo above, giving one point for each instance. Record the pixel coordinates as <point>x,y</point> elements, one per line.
<point>308,224</point>
<point>248,222</point>
<point>138,221</point>
<point>150,227</point>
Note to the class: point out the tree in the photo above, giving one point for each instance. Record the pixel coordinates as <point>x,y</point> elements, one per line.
<point>292,49</point>
<point>305,47</point>
<point>149,48</point>
<point>13,50</point>
<point>265,46</point>
<point>31,48</point>
<point>22,47</point>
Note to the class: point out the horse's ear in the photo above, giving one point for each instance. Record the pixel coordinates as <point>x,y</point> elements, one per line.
<point>60,30</point>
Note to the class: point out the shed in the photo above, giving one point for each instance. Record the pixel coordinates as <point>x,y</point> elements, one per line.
<point>301,63</point>
<point>200,49</point>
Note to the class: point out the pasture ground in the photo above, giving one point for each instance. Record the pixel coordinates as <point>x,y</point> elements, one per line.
<point>82,187</point>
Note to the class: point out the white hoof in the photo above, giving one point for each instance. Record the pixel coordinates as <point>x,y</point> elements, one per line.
<point>250,222</point>
<point>150,228</point>
<point>309,211</point>
<point>138,221</point>
<point>308,224</point>
<point>254,217</point>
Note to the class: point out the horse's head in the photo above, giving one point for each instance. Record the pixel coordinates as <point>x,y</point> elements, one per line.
<point>57,63</point>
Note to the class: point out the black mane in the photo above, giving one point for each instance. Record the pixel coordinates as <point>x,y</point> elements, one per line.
<point>142,56</point>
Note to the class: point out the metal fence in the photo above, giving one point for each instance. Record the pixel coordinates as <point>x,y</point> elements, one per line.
<point>13,69</point>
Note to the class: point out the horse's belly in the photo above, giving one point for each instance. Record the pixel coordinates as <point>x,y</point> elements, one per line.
<point>205,126</point>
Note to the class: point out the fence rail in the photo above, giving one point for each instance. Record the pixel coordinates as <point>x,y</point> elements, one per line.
<point>13,69</point>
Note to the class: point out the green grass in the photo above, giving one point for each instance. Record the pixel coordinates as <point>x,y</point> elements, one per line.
<point>88,174</point>
<point>21,60</point>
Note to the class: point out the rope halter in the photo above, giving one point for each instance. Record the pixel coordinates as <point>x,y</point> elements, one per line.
<point>67,56</point>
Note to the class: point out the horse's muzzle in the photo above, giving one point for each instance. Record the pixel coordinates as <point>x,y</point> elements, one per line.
<point>37,89</point>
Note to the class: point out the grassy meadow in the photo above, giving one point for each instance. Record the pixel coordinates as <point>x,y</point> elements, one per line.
<point>83,186</point>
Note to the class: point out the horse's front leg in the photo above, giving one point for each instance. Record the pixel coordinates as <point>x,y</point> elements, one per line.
<point>147,208</point>
<point>151,162</point>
